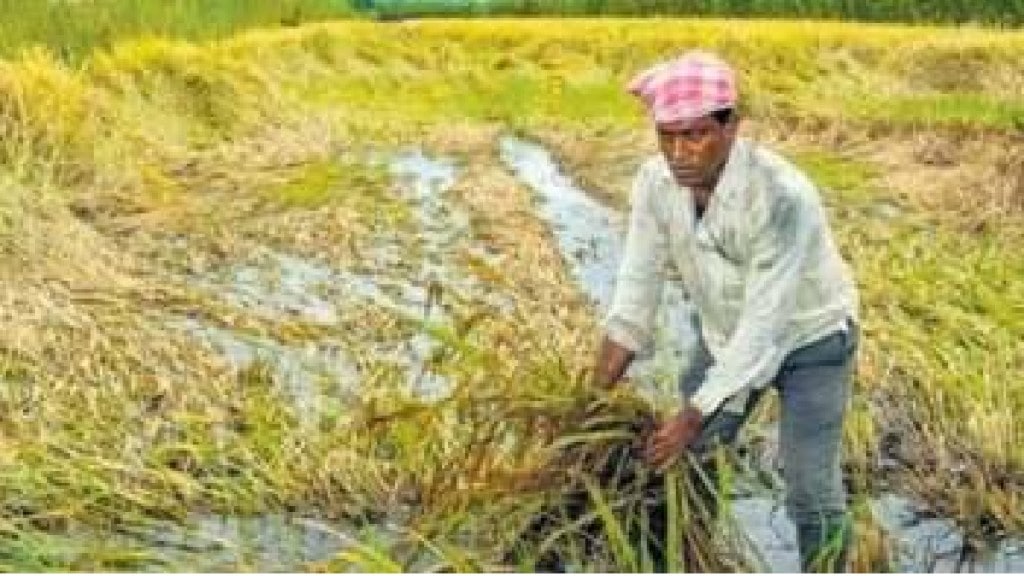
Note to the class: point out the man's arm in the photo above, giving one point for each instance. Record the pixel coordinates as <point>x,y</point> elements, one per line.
<point>629,327</point>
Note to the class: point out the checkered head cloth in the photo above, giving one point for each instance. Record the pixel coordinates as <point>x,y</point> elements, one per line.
<point>690,86</point>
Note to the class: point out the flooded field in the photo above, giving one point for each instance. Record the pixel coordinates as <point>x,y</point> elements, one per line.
<point>328,330</point>
<point>319,378</point>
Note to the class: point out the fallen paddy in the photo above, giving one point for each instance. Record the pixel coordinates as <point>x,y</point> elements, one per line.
<point>589,237</point>
<point>319,377</point>
<point>147,379</point>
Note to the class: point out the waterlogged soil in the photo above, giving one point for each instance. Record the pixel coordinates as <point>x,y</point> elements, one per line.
<point>414,282</point>
<point>410,284</point>
<point>418,284</point>
<point>270,543</point>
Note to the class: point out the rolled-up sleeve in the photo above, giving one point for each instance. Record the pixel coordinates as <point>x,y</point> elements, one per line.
<point>641,276</point>
<point>782,238</point>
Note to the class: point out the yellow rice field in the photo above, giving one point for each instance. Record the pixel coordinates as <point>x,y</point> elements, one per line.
<point>157,200</point>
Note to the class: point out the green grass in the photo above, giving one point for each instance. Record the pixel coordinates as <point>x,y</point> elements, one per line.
<point>27,550</point>
<point>947,11</point>
<point>326,181</point>
<point>73,28</point>
<point>971,111</point>
<point>837,174</point>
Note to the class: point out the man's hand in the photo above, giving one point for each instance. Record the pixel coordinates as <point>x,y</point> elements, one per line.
<point>612,361</point>
<point>673,436</point>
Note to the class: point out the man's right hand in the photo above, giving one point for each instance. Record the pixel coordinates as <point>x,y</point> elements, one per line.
<point>611,364</point>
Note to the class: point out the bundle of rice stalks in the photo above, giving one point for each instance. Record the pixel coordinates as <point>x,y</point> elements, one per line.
<point>604,503</point>
<point>557,482</point>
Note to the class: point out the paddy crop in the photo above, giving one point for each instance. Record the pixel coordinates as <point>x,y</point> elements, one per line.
<point>291,275</point>
<point>73,28</point>
<point>990,12</point>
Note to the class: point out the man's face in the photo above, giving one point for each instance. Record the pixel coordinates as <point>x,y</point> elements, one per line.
<point>696,149</point>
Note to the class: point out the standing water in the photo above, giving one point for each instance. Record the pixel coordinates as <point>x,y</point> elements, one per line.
<point>439,229</point>
<point>316,375</point>
<point>280,286</point>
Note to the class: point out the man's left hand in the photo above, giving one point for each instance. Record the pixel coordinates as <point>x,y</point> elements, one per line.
<point>673,436</point>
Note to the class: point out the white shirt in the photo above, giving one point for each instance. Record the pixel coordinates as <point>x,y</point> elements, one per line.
<point>760,268</point>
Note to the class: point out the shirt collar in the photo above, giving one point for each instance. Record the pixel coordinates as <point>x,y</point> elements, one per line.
<point>735,174</point>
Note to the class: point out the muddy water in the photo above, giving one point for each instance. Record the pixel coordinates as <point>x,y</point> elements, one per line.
<point>590,236</point>
<point>278,286</point>
<point>319,375</point>
<point>207,543</point>
<point>444,229</point>
<point>283,286</point>
<point>268,543</point>
<point>924,543</point>
<point>425,182</point>
<point>917,542</point>
<point>314,376</point>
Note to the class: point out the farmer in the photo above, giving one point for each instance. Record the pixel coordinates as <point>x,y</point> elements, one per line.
<point>775,303</point>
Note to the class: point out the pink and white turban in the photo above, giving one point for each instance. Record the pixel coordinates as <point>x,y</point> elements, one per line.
<point>690,86</point>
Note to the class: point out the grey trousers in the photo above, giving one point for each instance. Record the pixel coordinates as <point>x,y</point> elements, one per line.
<point>814,387</point>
